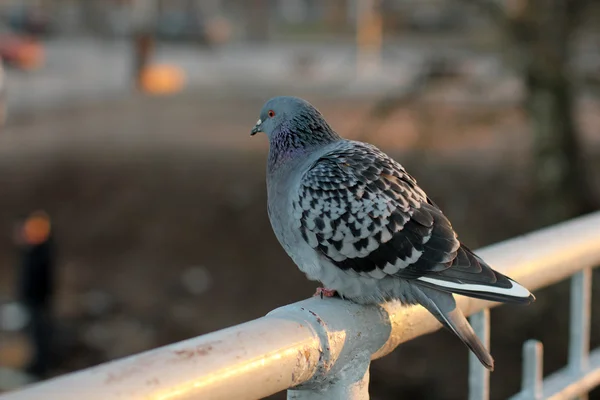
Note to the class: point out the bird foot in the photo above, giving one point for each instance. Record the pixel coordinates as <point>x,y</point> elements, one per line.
<point>324,292</point>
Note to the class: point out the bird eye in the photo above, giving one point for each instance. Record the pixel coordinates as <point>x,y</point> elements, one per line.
<point>271,113</point>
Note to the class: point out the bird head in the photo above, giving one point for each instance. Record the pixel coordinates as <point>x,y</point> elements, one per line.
<point>296,118</point>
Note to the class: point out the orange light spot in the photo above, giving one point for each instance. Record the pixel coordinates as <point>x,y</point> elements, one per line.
<point>37,228</point>
<point>30,56</point>
<point>162,79</point>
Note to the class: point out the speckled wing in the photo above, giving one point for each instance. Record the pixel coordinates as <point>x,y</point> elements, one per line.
<point>365,213</point>
<point>362,211</point>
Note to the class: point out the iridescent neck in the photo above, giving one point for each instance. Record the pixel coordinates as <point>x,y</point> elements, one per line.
<point>284,151</point>
<point>297,138</point>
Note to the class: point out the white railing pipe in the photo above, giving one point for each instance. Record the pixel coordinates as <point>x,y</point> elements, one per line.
<point>319,346</point>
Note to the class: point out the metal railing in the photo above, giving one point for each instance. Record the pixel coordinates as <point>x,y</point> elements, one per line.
<point>323,348</point>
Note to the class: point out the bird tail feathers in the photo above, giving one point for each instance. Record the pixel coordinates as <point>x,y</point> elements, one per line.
<point>470,276</point>
<point>514,293</point>
<point>443,306</point>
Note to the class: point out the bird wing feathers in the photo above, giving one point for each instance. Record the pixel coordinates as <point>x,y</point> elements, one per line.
<point>361,210</point>
<point>364,212</point>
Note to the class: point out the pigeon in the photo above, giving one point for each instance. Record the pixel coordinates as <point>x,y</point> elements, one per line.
<point>352,218</point>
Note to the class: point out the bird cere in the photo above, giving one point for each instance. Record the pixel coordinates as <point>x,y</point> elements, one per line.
<point>353,219</point>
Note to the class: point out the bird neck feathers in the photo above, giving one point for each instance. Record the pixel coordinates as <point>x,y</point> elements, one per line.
<point>298,137</point>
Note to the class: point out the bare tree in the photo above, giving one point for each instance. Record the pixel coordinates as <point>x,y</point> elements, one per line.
<point>541,33</point>
<point>539,36</point>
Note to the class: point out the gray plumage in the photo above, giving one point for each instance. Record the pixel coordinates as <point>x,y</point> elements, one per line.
<point>352,218</point>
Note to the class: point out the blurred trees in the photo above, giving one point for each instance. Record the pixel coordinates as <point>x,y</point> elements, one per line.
<point>541,35</point>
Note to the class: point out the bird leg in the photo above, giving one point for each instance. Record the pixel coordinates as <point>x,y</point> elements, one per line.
<point>324,292</point>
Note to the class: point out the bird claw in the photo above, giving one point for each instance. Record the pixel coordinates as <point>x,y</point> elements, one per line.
<point>324,292</point>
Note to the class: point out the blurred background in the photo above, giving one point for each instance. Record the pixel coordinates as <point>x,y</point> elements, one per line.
<point>132,198</point>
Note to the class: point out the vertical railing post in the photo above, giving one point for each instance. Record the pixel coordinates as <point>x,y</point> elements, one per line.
<point>347,387</point>
<point>579,332</point>
<point>533,356</point>
<point>479,376</point>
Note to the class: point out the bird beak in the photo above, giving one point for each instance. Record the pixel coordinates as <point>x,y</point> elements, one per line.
<point>256,128</point>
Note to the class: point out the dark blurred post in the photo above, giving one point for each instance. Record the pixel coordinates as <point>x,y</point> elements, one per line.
<point>33,238</point>
<point>144,14</point>
<point>369,36</point>
<point>2,96</point>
